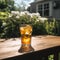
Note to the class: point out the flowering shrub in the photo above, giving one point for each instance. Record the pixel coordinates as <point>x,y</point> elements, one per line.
<point>4,15</point>
<point>41,25</point>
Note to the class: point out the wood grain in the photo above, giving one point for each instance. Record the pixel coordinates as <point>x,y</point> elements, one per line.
<point>9,48</point>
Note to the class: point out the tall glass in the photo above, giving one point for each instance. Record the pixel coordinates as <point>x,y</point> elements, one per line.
<point>26,33</point>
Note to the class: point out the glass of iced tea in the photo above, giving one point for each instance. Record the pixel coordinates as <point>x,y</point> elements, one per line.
<point>26,33</point>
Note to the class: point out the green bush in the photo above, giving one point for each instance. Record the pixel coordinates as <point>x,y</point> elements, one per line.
<point>0,26</point>
<point>50,26</point>
<point>57,27</point>
<point>4,15</point>
<point>10,26</point>
<point>10,29</point>
<point>39,29</point>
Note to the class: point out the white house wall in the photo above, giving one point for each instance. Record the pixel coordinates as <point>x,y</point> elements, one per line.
<point>50,5</point>
<point>56,13</point>
<point>53,12</point>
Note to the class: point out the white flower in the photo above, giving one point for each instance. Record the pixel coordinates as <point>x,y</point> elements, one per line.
<point>17,16</point>
<point>15,12</point>
<point>4,24</point>
<point>24,13</point>
<point>38,20</point>
<point>10,15</point>
<point>43,19</point>
<point>35,14</point>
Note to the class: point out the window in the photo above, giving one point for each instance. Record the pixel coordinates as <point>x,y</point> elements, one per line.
<point>46,9</point>
<point>43,9</point>
<point>40,9</point>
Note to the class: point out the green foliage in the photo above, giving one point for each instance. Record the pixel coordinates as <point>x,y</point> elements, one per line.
<point>7,5</point>
<point>57,27</point>
<point>38,28</point>
<point>3,4</point>
<point>0,26</point>
<point>51,57</point>
<point>50,26</point>
<point>4,15</point>
<point>25,19</point>
<point>10,26</point>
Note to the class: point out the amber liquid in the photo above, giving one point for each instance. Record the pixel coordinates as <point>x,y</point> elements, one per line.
<point>26,39</point>
<point>26,43</point>
<point>26,32</point>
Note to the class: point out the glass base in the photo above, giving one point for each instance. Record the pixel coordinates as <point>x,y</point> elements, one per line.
<point>26,48</point>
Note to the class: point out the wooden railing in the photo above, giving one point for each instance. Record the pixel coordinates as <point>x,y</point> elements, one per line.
<point>46,48</point>
<point>46,54</point>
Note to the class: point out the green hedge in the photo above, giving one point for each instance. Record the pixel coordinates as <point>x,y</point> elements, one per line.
<point>10,26</point>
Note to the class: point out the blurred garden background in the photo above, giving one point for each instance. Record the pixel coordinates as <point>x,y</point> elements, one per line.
<point>13,14</point>
<point>11,17</point>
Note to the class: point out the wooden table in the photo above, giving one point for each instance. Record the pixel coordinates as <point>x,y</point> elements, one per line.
<point>43,46</point>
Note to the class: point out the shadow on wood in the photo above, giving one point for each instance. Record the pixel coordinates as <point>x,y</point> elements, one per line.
<point>38,55</point>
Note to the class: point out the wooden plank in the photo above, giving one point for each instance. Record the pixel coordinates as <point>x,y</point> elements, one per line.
<point>9,48</point>
<point>40,55</point>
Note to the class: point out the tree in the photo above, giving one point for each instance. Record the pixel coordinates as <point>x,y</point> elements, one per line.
<point>3,4</point>
<point>7,5</point>
<point>21,6</point>
<point>10,4</point>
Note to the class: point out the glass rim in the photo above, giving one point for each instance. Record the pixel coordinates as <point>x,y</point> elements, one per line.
<point>25,24</point>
